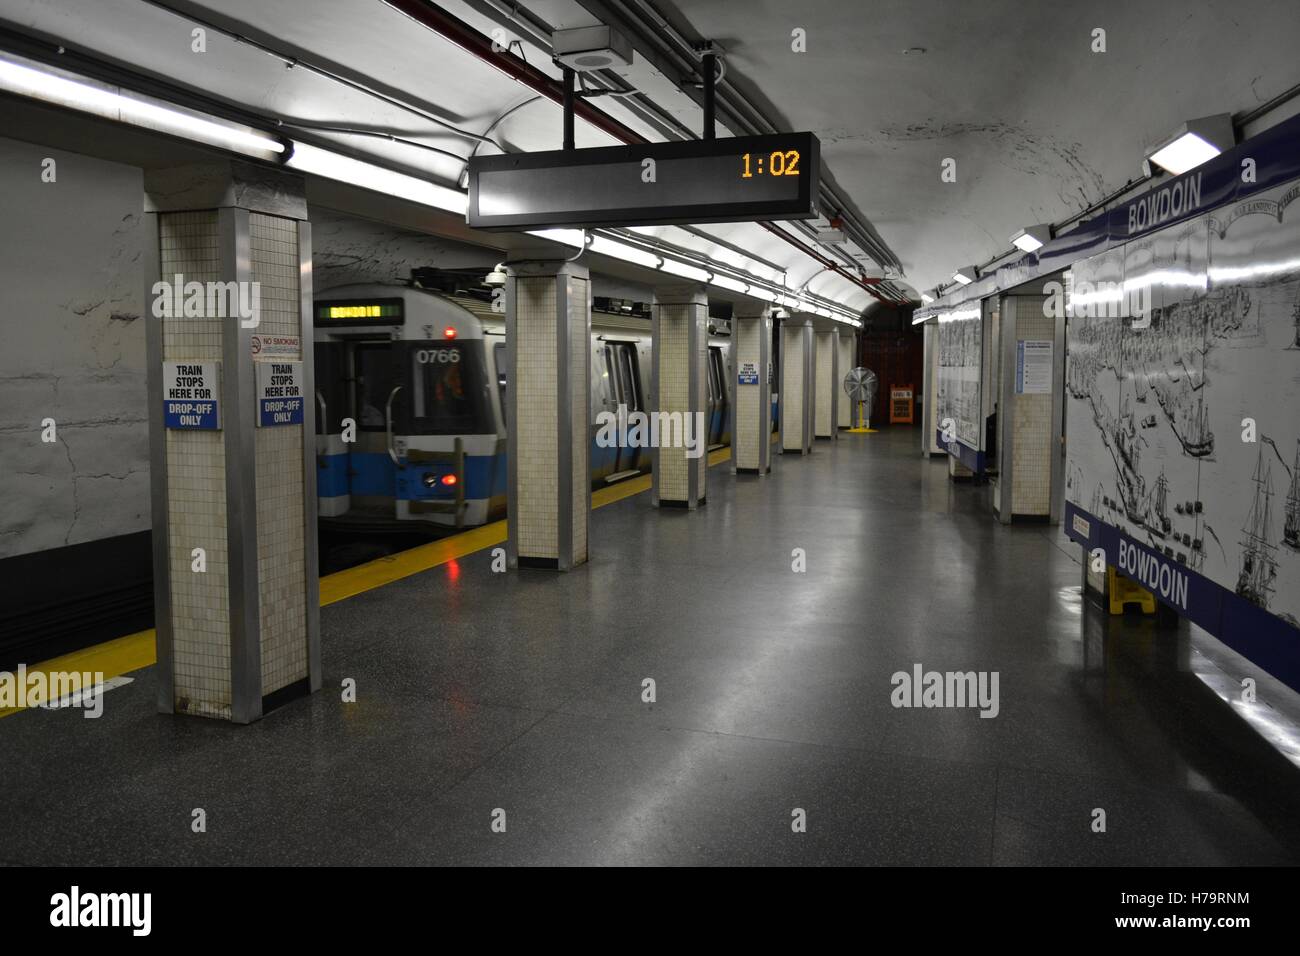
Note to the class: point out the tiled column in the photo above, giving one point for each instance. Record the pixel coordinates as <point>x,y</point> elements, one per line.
<point>798,376</point>
<point>679,333</point>
<point>844,407</point>
<point>548,388</point>
<point>234,489</point>
<point>1029,420</point>
<point>827,384</point>
<point>751,407</point>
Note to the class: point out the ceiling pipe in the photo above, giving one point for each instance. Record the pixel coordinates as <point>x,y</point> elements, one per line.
<point>457,31</point>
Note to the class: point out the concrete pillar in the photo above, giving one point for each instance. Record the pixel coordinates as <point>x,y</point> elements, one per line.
<point>227,263</point>
<point>679,333</point>
<point>846,354</point>
<point>827,384</point>
<point>751,406</point>
<point>548,388</point>
<point>798,377</point>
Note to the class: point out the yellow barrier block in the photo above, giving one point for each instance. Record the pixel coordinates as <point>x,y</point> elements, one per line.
<point>1123,591</point>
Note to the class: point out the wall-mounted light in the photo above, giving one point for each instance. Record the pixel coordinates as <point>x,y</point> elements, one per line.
<point>34,79</point>
<point>618,250</point>
<point>965,275</point>
<point>345,169</point>
<point>673,267</point>
<point>726,282</point>
<point>1193,143</point>
<point>1032,238</point>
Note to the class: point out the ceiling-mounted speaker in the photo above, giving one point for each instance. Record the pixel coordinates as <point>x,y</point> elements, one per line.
<point>591,48</point>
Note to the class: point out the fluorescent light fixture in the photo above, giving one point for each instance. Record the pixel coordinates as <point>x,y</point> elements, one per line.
<point>1032,238</point>
<point>965,275</point>
<point>1193,143</point>
<point>768,295</point>
<point>926,298</point>
<point>61,88</point>
<point>619,250</point>
<point>676,268</point>
<point>726,282</point>
<point>569,237</point>
<point>345,169</point>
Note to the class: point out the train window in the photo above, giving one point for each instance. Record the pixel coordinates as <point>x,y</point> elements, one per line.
<point>449,388</point>
<point>375,380</point>
<point>719,373</point>
<point>499,359</point>
<point>629,380</point>
<point>615,392</point>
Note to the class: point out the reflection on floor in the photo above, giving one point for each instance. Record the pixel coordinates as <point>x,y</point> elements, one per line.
<point>480,692</point>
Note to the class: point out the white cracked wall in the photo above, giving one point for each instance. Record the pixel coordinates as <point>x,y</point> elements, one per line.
<point>74,351</point>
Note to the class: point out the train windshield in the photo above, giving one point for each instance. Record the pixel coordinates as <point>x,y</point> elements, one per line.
<point>448,389</point>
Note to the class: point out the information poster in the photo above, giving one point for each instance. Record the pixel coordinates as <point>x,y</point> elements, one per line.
<point>1034,367</point>
<point>191,393</point>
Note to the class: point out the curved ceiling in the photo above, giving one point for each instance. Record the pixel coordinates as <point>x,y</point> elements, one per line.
<point>1038,124</point>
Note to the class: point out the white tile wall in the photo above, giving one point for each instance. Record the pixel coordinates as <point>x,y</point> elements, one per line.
<point>196,469</point>
<point>1032,443</point>
<point>823,427</point>
<point>580,384</point>
<point>747,345</point>
<point>845,408</point>
<point>675,324</point>
<point>792,387</point>
<point>535,418</point>
<point>280,532</point>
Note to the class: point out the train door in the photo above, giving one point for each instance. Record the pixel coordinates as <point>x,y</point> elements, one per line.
<point>625,387</point>
<point>376,388</point>
<point>717,418</point>
<point>333,405</point>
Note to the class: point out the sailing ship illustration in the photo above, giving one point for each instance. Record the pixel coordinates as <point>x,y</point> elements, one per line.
<point>1291,529</point>
<point>1158,522</point>
<point>1258,566</point>
<point>1199,440</point>
<point>1295,315</point>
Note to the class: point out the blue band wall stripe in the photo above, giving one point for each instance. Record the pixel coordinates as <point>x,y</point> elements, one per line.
<point>1249,630</point>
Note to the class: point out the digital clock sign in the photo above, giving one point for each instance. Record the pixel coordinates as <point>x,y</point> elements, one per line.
<point>740,179</point>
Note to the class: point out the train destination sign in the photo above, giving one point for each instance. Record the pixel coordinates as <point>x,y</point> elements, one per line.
<point>738,179</point>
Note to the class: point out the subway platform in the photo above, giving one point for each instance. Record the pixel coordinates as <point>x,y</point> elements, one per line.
<point>480,692</point>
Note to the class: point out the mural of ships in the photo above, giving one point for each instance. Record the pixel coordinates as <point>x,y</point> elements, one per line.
<point>1291,530</point>
<point>1258,566</point>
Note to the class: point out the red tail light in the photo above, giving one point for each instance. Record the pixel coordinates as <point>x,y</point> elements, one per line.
<point>449,333</point>
<point>448,479</point>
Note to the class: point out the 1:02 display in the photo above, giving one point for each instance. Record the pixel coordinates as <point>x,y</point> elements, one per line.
<point>780,163</point>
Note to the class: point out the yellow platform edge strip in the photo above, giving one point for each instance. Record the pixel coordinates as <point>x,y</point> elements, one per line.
<point>135,651</point>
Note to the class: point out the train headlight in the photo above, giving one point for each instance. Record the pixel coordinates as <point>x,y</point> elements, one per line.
<point>430,479</point>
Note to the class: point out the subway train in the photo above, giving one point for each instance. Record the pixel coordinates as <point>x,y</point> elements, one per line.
<point>421,375</point>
